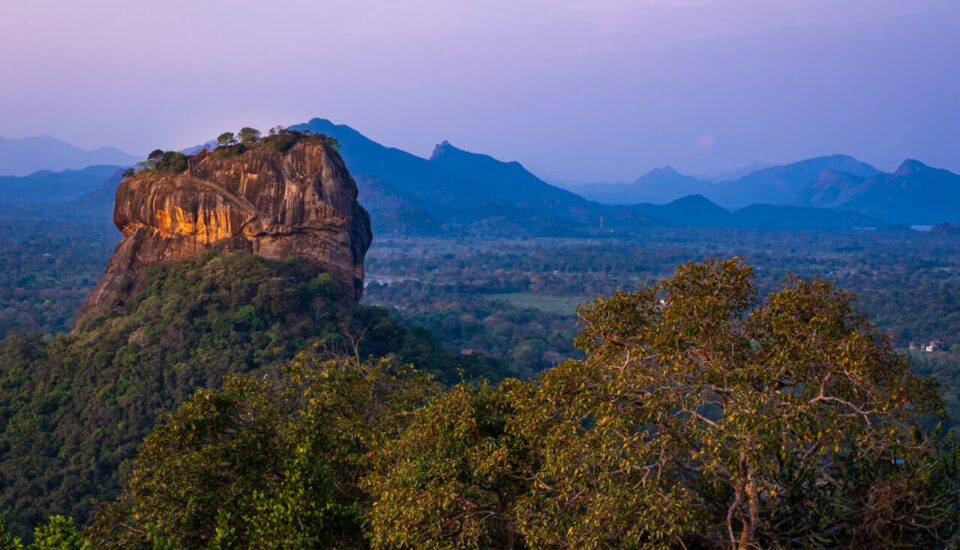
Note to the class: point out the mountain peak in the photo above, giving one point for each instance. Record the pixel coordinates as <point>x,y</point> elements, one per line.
<point>665,171</point>
<point>442,148</point>
<point>910,166</point>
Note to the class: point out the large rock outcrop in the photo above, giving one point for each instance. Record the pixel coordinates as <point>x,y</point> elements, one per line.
<point>299,203</point>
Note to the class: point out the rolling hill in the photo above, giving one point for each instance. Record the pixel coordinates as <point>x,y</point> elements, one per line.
<point>23,156</point>
<point>697,210</point>
<point>659,186</point>
<point>47,186</point>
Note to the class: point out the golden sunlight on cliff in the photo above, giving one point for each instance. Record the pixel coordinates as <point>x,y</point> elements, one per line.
<point>299,202</point>
<point>206,227</point>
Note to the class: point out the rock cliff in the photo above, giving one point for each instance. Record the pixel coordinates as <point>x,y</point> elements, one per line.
<point>302,202</point>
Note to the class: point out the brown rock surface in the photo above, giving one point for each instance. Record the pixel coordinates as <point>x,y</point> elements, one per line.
<point>299,203</point>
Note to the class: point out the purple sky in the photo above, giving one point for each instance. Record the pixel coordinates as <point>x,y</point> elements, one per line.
<point>575,89</point>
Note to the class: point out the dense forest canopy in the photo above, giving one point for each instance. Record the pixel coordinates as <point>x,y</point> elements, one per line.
<point>74,409</point>
<point>698,417</point>
<point>496,308</point>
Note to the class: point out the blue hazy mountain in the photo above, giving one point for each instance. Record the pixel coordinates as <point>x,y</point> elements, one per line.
<point>93,210</point>
<point>659,186</point>
<point>801,218</point>
<point>23,156</point>
<point>690,210</point>
<point>776,184</point>
<point>450,177</point>
<point>456,190</point>
<point>697,210</point>
<point>47,186</point>
<point>393,212</point>
<point>734,174</point>
<point>457,187</point>
<point>914,194</point>
<point>770,185</point>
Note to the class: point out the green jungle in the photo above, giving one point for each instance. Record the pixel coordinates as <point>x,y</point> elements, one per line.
<point>468,402</point>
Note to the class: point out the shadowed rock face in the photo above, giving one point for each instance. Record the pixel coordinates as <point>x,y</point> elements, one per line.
<point>299,203</point>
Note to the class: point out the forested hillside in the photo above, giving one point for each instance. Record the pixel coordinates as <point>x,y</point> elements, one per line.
<point>74,409</point>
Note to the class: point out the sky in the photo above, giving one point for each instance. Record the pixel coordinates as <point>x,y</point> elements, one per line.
<point>576,90</point>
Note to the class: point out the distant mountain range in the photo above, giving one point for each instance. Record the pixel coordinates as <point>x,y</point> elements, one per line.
<point>660,185</point>
<point>914,194</point>
<point>95,207</point>
<point>459,192</point>
<point>47,186</point>
<point>455,190</point>
<point>697,210</point>
<point>770,185</point>
<point>23,156</point>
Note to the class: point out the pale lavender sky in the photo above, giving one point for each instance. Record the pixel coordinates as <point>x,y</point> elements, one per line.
<point>574,89</point>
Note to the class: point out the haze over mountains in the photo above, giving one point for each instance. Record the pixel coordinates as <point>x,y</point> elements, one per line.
<point>914,194</point>
<point>453,187</point>
<point>47,186</point>
<point>456,191</point>
<point>769,185</point>
<point>23,156</point>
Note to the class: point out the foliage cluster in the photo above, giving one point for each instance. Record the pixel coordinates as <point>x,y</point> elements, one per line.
<point>74,409</point>
<point>530,339</point>
<point>274,461</point>
<point>159,160</point>
<point>47,269</point>
<point>59,533</point>
<point>700,417</point>
<point>278,139</point>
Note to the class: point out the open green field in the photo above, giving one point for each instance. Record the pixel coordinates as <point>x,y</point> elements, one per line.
<point>563,305</point>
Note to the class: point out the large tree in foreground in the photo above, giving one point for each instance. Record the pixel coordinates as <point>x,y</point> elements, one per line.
<point>699,418</point>
<point>265,462</point>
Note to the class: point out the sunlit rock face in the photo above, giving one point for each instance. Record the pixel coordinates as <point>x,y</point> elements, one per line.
<point>299,203</point>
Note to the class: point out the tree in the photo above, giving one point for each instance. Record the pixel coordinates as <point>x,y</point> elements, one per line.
<point>226,139</point>
<point>8,541</point>
<point>128,173</point>
<point>156,155</point>
<point>702,416</point>
<point>698,418</point>
<point>331,141</point>
<point>59,533</point>
<point>249,135</point>
<point>451,477</point>
<point>173,161</point>
<point>266,462</point>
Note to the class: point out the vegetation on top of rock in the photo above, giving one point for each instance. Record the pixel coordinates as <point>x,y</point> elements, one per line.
<point>249,135</point>
<point>233,145</point>
<point>278,138</point>
<point>164,161</point>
